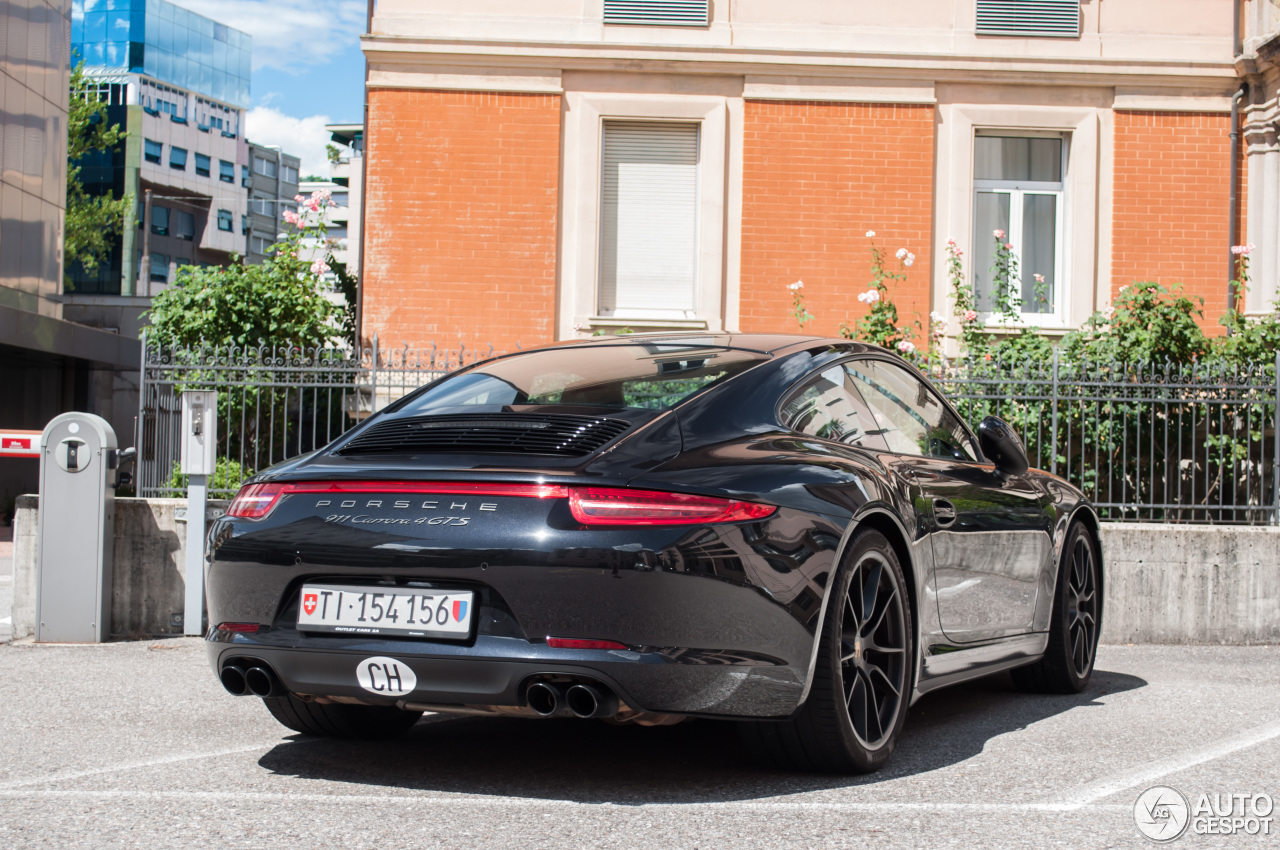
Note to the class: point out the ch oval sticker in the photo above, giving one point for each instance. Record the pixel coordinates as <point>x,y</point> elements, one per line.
<point>386,677</point>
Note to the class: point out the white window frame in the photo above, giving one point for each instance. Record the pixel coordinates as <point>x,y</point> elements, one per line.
<point>584,118</point>
<point>1085,281</point>
<point>1017,190</point>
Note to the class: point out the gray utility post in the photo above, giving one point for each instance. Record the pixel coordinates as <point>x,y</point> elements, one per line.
<point>199,438</point>
<point>78,462</point>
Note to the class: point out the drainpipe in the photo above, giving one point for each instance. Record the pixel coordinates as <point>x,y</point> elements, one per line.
<point>1233,202</point>
<point>1237,46</point>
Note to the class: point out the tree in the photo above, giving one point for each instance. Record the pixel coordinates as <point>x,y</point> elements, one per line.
<point>279,303</point>
<point>93,222</point>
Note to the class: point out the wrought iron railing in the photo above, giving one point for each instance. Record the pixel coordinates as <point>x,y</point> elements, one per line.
<point>1172,443</point>
<point>1196,443</point>
<point>274,403</point>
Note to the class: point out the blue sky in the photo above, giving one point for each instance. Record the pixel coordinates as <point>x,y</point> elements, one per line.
<point>307,68</point>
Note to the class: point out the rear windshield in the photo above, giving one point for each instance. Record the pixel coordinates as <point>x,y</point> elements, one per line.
<point>646,376</point>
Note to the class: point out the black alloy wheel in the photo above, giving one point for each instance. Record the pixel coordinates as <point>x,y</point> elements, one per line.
<point>862,682</point>
<point>873,650</point>
<point>1075,625</point>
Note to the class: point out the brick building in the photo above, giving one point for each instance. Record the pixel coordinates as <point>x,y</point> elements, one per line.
<point>543,170</point>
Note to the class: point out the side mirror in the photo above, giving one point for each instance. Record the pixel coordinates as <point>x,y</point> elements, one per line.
<point>1001,446</point>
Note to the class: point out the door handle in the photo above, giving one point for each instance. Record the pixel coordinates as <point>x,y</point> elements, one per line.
<point>944,513</point>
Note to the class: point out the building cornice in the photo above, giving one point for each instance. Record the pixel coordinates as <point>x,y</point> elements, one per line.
<point>399,52</point>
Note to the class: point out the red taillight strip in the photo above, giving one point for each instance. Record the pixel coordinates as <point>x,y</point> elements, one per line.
<point>589,505</point>
<point>621,506</point>
<point>579,643</point>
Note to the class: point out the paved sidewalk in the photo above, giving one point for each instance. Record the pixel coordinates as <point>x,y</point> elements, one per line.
<point>136,744</point>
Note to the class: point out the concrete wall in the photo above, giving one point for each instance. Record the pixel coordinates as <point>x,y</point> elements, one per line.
<point>1172,584</point>
<point>148,586</point>
<point>1191,584</point>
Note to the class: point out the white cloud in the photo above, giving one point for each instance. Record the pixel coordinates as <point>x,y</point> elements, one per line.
<point>289,34</point>
<point>305,138</point>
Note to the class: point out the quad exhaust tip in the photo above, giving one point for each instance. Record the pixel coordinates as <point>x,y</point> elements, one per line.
<point>232,677</point>
<point>580,699</point>
<point>262,682</point>
<point>544,698</point>
<point>250,676</point>
<point>589,701</point>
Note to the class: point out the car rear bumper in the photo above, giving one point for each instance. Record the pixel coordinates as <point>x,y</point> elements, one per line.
<point>495,671</point>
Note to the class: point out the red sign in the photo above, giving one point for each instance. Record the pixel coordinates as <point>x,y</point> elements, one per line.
<point>20,444</point>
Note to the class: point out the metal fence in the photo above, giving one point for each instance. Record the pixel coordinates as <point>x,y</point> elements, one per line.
<point>1197,443</point>
<point>1169,443</point>
<point>274,403</point>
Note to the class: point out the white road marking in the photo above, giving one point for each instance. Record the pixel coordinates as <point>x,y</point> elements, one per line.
<point>1144,775</point>
<point>133,765</point>
<point>533,802</point>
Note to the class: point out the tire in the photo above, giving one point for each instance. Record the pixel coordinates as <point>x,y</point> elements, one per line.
<point>862,683</point>
<point>337,720</point>
<point>1067,663</point>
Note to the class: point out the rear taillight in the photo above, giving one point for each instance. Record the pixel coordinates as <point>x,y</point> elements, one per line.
<point>620,506</point>
<point>589,505</point>
<point>255,501</point>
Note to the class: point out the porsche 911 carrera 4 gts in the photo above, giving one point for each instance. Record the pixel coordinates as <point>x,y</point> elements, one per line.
<point>798,534</point>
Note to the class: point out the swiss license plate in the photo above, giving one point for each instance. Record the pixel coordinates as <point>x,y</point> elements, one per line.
<point>413,612</point>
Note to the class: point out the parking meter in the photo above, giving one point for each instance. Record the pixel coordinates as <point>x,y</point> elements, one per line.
<point>78,463</point>
<point>199,441</point>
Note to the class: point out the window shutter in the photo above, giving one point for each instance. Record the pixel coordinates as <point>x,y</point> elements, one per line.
<point>649,218</point>
<point>670,13</point>
<point>1051,18</point>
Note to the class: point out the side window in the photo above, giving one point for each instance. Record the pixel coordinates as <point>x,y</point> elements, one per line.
<point>829,406</point>
<point>912,420</point>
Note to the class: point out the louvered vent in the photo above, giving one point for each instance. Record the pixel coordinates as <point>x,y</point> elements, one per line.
<point>1049,18</point>
<point>667,13</point>
<point>558,436</point>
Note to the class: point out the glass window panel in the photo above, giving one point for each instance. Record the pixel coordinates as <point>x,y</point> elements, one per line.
<point>160,220</point>
<point>990,213</point>
<point>160,267</point>
<point>910,418</point>
<point>152,150</point>
<point>95,26</point>
<point>118,25</point>
<point>1039,251</point>
<point>829,407</point>
<point>202,165</point>
<point>1017,158</point>
<point>224,220</point>
<point>226,171</point>
<point>178,158</point>
<point>184,226</point>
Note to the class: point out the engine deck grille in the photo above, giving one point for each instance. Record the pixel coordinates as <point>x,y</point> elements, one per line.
<point>500,433</point>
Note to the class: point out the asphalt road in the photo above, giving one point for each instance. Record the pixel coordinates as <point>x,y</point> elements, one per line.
<point>135,744</point>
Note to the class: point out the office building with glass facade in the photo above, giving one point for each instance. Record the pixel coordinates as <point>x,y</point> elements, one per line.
<point>178,83</point>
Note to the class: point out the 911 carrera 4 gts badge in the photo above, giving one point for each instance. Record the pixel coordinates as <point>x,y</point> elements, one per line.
<point>454,516</point>
<point>386,677</point>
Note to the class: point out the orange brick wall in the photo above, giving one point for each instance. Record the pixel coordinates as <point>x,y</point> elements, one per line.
<point>461,219</point>
<point>816,178</point>
<point>1172,176</point>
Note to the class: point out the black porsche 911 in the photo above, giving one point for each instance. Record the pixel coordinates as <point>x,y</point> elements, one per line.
<point>795,533</point>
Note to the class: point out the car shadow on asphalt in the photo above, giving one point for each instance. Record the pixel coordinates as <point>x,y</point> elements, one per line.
<point>694,762</point>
